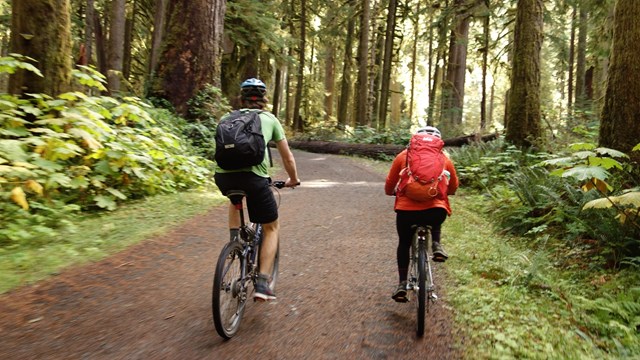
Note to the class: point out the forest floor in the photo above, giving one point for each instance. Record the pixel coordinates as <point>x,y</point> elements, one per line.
<point>153,300</point>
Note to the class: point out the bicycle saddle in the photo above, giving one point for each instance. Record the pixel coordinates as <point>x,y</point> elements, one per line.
<point>236,196</point>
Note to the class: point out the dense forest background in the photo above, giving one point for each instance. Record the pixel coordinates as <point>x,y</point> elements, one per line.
<point>104,102</point>
<point>113,100</point>
<point>464,66</point>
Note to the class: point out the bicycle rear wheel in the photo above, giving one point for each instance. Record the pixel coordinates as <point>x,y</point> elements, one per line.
<point>229,293</point>
<point>422,288</point>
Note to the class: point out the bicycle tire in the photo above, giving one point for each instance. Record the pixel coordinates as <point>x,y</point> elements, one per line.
<point>228,296</point>
<point>422,288</point>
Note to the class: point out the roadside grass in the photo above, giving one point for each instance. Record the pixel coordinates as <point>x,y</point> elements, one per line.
<point>514,301</point>
<point>98,236</point>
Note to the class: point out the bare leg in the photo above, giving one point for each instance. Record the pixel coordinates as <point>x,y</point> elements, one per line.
<point>234,217</point>
<point>269,246</point>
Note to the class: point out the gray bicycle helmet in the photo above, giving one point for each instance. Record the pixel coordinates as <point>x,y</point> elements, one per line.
<point>252,88</point>
<point>429,130</point>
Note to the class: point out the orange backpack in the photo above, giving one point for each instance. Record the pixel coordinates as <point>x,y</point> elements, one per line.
<point>423,177</point>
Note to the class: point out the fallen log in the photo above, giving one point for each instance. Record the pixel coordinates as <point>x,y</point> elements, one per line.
<point>376,151</point>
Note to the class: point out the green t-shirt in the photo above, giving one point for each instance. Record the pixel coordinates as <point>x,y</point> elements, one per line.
<point>271,130</point>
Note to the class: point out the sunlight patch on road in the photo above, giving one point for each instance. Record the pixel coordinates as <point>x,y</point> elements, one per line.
<point>318,159</point>
<point>324,183</point>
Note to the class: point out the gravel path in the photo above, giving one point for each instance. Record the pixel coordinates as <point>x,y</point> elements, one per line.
<point>153,301</point>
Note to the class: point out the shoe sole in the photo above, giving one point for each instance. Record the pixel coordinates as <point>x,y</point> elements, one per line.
<point>263,297</point>
<point>439,257</point>
<point>400,297</point>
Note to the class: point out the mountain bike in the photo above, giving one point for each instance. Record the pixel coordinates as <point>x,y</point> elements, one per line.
<point>237,270</point>
<point>420,279</point>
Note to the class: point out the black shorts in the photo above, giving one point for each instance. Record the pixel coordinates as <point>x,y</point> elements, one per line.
<point>261,203</point>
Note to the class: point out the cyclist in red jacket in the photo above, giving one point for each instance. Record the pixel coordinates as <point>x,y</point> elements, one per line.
<point>409,212</point>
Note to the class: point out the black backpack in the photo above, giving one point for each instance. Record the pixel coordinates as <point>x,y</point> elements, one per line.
<point>239,140</point>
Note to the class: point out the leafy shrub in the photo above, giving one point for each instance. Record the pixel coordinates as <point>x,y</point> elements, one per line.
<point>204,112</point>
<point>74,151</point>
<point>482,166</point>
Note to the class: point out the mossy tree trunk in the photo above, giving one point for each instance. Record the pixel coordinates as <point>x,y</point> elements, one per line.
<point>523,120</point>
<point>620,127</point>
<point>191,50</point>
<point>41,29</point>
<point>453,86</point>
<point>362,88</point>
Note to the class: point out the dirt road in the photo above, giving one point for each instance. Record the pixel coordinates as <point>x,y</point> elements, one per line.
<point>153,301</point>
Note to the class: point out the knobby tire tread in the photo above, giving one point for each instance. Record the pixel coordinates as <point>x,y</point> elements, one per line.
<point>230,248</point>
<point>422,288</point>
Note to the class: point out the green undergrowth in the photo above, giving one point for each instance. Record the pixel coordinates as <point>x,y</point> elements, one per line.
<point>95,237</point>
<point>516,300</point>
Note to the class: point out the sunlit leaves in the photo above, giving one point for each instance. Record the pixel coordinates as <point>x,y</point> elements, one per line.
<point>584,173</point>
<point>628,199</point>
<point>9,64</point>
<point>19,197</point>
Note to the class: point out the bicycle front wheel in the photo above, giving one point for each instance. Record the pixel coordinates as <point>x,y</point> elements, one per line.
<point>229,292</point>
<point>422,288</point>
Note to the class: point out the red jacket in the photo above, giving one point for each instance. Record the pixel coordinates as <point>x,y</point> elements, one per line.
<point>403,202</point>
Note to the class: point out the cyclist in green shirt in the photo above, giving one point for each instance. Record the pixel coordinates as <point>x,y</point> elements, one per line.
<point>255,180</point>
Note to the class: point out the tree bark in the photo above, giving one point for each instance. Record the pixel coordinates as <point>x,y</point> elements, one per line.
<point>453,86</point>
<point>88,32</point>
<point>620,127</point>
<point>41,29</point>
<point>116,45</point>
<point>159,16</point>
<point>191,50</point>
<point>298,123</point>
<point>386,62</point>
<point>362,97</point>
<point>581,61</point>
<point>523,112</point>
<point>345,85</point>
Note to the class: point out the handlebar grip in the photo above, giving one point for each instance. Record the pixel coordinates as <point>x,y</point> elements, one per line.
<point>280,184</point>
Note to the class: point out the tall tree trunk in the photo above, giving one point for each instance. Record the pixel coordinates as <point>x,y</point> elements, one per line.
<point>453,86</point>
<point>620,128</point>
<point>362,98</point>
<point>386,61</point>
<point>581,67</point>
<point>191,50</point>
<point>376,59</point>
<point>414,58</point>
<point>329,82</point>
<point>298,123</point>
<point>437,71</point>
<point>116,45</point>
<point>101,44</point>
<point>277,90</point>
<point>159,16</point>
<point>485,65</point>
<point>130,25</point>
<point>41,29</point>
<point>88,32</point>
<point>572,52</point>
<point>523,109</point>
<point>345,84</point>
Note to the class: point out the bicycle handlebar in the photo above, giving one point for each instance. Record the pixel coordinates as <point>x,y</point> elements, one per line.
<point>280,184</point>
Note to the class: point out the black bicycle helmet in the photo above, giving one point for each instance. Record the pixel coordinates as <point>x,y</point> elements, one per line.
<point>253,88</point>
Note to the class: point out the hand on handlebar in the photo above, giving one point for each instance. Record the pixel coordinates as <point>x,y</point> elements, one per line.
<point>281,184</point>
<point>291,183</point>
